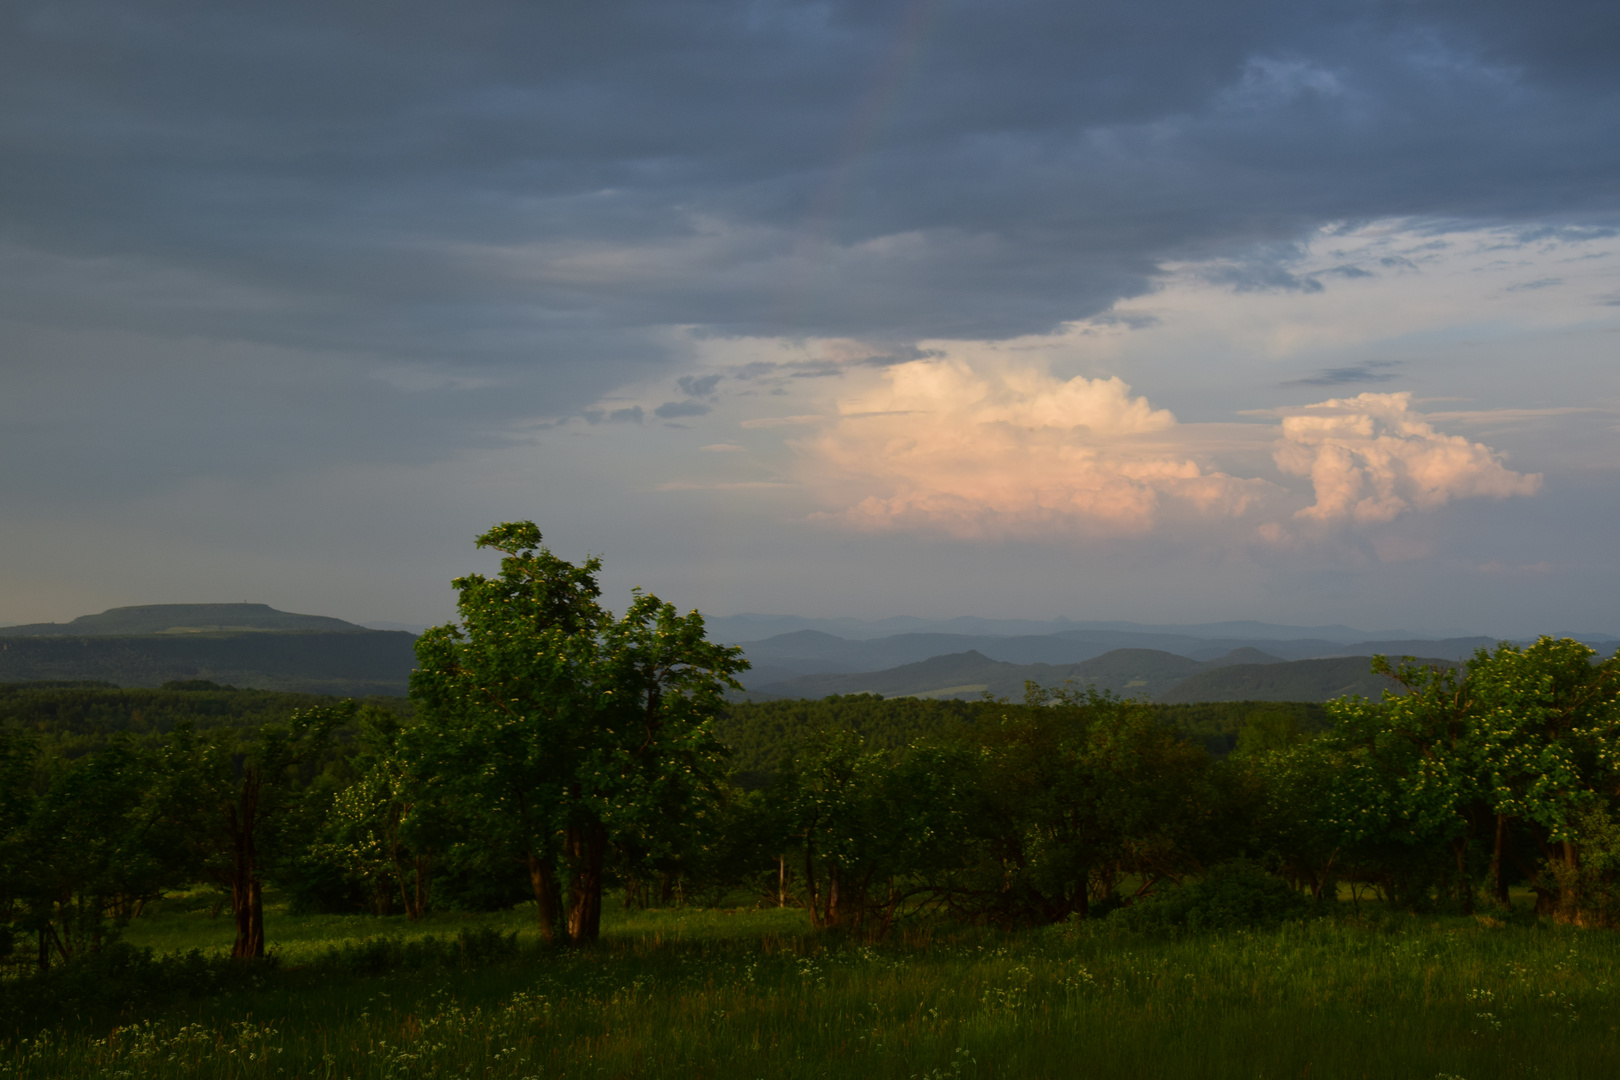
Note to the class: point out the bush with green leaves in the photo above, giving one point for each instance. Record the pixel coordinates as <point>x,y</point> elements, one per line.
<point>1236,895</point>
<point>117,977</point>
<point>378,955</point>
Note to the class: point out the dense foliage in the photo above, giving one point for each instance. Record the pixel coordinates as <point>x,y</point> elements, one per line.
<point>357,662</point>
<point>552,751</point>
<point>563,735</point>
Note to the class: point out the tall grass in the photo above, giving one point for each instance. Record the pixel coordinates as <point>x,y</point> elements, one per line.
<point>750,995</point>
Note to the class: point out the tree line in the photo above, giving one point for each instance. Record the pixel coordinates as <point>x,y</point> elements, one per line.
<point>553,753</point>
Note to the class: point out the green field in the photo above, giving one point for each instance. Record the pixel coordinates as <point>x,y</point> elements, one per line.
<point>745,993</point>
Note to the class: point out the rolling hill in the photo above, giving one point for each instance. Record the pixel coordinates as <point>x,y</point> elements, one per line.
<point>755,627</point>
<point>1245,674</point>
<point>1295,680</point>
<point>816,652</point>
<point>1129,672</point>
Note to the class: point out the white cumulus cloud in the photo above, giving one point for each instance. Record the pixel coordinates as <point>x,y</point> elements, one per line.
<point>1010,449</point>
<point>1371,458</point>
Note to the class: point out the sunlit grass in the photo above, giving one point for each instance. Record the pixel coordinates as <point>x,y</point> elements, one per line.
<point>689,993</point>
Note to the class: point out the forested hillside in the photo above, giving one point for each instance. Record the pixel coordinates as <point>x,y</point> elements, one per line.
<point>1298,680</point>
<point>71,718</point>
<point>349,663</point>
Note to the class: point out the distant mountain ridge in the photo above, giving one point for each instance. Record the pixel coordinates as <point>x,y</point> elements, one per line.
<point>1129,672</point>
<point>184,619</point>
<point>255,645</point>
<point>814,652</point>
<point>1245,674</point>
<point>755,627</point>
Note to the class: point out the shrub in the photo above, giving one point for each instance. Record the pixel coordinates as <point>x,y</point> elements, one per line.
<point>113,979</point>
<point>1236,895</point>
<point>374,956</point>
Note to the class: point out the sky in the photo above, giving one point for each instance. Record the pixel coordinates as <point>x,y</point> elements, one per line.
<point>1306,312</point>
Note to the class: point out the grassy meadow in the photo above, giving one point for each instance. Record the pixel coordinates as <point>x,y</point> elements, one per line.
<point>714,993</point>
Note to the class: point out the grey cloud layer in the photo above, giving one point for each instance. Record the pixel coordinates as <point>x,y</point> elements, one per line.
<point>520,194</point>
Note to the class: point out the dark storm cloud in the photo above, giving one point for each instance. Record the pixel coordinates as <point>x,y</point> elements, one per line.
<point>449,219</point>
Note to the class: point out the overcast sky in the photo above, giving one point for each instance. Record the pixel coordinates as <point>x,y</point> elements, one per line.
<point>1165,311</point>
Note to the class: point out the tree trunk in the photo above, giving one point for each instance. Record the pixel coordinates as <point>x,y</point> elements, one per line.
<point>1569,893</point>
<point>813,900</point>
<point>547,896</point>
<point>1499,881</point>
<point>1465,887</point>
<point>61,949</point>
<point>256,918</point>
<point>585,847</point>
<point>424,884</point>
<point>413,892</point>
<point>247,904</point>
<point>832,896</point>
<point>889,908</point>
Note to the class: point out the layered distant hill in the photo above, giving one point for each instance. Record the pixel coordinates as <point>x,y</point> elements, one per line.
<point>1242,675</point>
<point>247,645</point>
<point>257,646</point>
<point>1233,661</point>
<point>814,652</point>
<point>759,627</point>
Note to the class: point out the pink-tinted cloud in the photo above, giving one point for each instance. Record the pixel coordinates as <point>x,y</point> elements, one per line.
<point>1370,458</point>
<point>942,446</point>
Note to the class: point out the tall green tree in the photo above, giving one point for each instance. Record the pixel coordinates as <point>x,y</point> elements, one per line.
<point>560,727</point>
<point>85,841</point>
<point>235,793</point>
<point>391,826</point>
<point>1281,787</point>
<point>1547,722</point>
<point>1522,742</point>
<point>1406,797</point>
<point>1078,791</point>
<point>19,756</point>
<point>868,825</point>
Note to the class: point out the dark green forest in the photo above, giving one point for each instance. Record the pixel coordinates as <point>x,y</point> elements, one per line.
<point>552,753</point>
<point>357,662</point>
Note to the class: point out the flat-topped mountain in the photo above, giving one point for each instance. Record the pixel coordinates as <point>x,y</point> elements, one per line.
<point>185,619</point>
<point>246,645</point>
